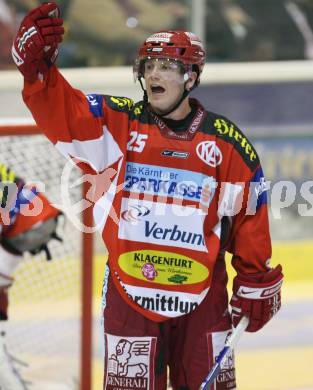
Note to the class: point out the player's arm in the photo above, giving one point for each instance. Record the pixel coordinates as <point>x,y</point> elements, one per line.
<point>257,286</point>
<point>75,123</point>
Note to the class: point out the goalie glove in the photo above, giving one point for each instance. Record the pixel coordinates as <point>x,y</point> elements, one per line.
<point>258,296</point>
<point>35,47</point>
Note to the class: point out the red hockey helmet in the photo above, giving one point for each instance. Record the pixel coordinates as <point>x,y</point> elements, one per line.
<point>182,46</point>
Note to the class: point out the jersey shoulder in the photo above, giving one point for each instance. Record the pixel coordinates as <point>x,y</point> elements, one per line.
<point>135,111</point>
<point>228,132</point>
<point>119,103</point>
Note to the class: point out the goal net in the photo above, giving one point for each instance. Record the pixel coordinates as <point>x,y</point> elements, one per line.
<point>49,311</point>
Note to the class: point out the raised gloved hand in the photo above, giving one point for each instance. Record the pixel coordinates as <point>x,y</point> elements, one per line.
<point>258,296</point>
<point>35,47</point>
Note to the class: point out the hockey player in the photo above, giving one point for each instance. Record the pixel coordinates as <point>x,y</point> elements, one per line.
<point>188,185</point>
<point>20,231</point>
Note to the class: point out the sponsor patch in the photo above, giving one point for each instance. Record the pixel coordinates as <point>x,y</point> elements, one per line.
<point>174,153</point>
<point>135,213</point>
<point>226,379</point>
<point>168,303</point>
<point>119,103</point>
<point>162,267</point>
<point>162,224</point>
<point>129,363</point>
<point>230,133</point>
<point>122,102</point>
<point>175,183</point>
<point>160,37</point>
<point>209,153</point>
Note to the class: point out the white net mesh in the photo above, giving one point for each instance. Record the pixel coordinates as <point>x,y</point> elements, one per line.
<point>45,299</point>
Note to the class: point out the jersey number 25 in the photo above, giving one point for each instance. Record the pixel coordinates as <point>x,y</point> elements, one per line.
<point>137,141</point>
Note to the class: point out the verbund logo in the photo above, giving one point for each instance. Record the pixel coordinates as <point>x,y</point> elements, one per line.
<point>159,232</point>
<point>135,213</point>
<point>162,224</point>
<point>209,153</point>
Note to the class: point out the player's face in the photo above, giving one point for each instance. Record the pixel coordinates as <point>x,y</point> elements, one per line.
<point>164,80</point>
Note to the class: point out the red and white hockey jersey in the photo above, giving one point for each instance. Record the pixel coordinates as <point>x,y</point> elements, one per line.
<point>161,213</point>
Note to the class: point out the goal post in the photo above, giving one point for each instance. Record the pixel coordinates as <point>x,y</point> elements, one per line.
<point>50,312</point>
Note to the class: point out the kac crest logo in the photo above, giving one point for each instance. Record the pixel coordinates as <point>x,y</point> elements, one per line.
<point>209,153</point>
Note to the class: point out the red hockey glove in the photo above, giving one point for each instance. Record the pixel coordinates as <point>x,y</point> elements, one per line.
<point>35,46</point>
<point>258,296</point>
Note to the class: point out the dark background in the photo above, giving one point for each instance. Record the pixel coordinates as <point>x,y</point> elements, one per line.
<point>100,33</point>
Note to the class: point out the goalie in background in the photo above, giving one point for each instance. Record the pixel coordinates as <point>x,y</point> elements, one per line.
<point>27,223</point>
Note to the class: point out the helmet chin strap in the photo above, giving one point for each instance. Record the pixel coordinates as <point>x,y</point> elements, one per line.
<point>175,105</point>
<point>145,95</point>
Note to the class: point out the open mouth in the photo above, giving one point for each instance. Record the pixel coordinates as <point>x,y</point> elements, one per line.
<point>156,89</point>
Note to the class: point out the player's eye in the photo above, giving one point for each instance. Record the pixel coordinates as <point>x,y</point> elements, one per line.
<point>149,66</point>
<point>164,66</point>
<point>168,66</point>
